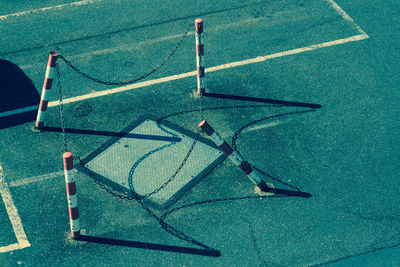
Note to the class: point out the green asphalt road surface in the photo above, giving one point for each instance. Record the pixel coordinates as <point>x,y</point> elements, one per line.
<point>342,55</point>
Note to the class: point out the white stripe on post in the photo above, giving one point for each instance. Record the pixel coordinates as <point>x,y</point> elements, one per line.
<point>71,195</point>
<point>234,156</point>
<point>48,82</point>
<point>199,56</point>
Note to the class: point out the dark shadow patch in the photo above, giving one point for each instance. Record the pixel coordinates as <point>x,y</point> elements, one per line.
<point>150,246</point>
<point>263,100</point>
<point>122,134</point>
<point>289,193</point>
<point>16,92</point>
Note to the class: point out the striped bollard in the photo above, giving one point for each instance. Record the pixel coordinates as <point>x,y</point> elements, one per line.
<point>199,56</point>
<point>71,195</point>
<point>236,158</point>
<point>44,99</point>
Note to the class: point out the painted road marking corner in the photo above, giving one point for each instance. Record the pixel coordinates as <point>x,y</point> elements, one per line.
<point>13,216</point>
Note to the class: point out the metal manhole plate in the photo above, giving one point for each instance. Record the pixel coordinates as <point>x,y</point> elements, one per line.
<point>151,153</point>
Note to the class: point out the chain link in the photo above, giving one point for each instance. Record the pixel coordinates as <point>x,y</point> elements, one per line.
<point>61,105</point>
<point>102,186</point>
<point>176,171</point>
<point>132,195</point>
<point>201,108</point>
<point>136,79</point>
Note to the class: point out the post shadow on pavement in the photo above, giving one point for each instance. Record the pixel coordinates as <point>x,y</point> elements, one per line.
<point>151,246</point>
<point>123,134</point>
<point>289,193</point>
<point>263,100</point>
<point>16,92</point>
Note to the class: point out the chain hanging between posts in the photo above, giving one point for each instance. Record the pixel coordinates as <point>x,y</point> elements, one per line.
<point>133,195</point>
<point>172,176</point>
<point>136,79</point>
<point>61,105</point>
<point>62,116</point>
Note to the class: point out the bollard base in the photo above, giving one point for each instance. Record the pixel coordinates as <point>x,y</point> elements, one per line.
<point>264,190</point>
<point>76,235</point>
<point>36,129</point>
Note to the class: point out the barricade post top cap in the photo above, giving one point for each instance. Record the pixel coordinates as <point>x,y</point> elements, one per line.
<point>206,127</point>
<point>67,155</point>
<point>203,122</point>
<point>52,59</point>
<point>68,161</point>
<point>199,25</point>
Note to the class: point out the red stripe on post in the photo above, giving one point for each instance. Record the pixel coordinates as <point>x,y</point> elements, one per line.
<point>75,235</point>
<point>73,213</point>
<point>43,105</point>
<point>200,50</point>
<point>39,124</point>
<point>206,127</point>
<point>226,148</point>
<point>52,59</point>
<point>245,166</point>
<point>68,161</point>
<point>47,83</point>
<point>199,25</point>
<point>71,189</point>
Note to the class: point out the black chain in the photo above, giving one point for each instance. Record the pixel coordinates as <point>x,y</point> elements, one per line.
<point>176,171</point>
<point>102,186</point>
<point>170,229</point>
<point>238,132</point>
<point>136,79</point>
<point>61,105</point>
<point>133,195</point>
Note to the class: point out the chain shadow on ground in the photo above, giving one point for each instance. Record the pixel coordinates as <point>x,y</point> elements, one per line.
<point>17,91</point>
<point>206,251</point>
<point>122,134</point>
<point>263,100</point>
<point>150,246</point>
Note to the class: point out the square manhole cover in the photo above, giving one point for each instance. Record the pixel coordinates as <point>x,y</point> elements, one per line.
<point>148,155</point>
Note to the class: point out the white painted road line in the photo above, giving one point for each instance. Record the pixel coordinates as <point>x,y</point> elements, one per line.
<point>346,17</point>
<point>13,216</point>
<point>208,70</point>
<point>35,179</point>
<point>18,14</point>
<point>341,12</point>
<point>146,43</point>
<point>288,53</point>
<point>261,126</point>
<point>194,73</point>
<point>9,248</point>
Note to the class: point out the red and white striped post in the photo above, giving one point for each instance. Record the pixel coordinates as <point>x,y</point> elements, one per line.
<point>48,81</point>
<point>235,157</point>
<point>71,195</point>
<point>199,56</point>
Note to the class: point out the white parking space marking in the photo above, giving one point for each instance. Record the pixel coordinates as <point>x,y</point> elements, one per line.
<point>346,17</point>
<point>288,53</point>
<point>230,65</point>
<point>13,216</point>
<point>9,248</point>
<point>261,126</point>
<point>28,12</point>
<point>192,73</point>
<point>145,43</point>
<point>35,179</point>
